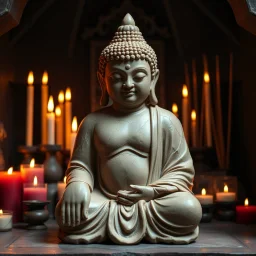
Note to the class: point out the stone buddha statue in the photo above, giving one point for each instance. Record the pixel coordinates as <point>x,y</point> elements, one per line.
<point>131,173</point>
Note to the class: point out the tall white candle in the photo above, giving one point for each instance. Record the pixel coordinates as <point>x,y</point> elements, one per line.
<point>44,99</point>
<point>185,115</point>
<point>51,122</point>
<point>68,118</point>
<point>61,98</point>
<point>193,128</point>
<point>207,94</point>
<point>59,126</point>
<point>30,109</point>
<point>73,133</point>
<point>175,109</point>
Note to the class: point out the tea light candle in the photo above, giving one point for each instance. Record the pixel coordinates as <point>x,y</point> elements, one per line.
<point>204,199</point>
<point>29,171</point>
<point>61,187</point>
<point>35,191</point>
<point>246,214</point>
<point>5,220</point>
<point>225,196</point>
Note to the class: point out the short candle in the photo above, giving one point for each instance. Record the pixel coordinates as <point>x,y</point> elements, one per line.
<point>35,191</point>
<point>5,220</point>
<point>29,171</point>
<point>246,214</point>
<point>204,199</point>
<point>225,196</point>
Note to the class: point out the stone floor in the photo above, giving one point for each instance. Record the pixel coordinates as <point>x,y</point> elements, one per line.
<point>216,238</point>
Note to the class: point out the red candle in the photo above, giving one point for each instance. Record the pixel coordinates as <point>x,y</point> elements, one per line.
<point>11,193</point>
<point>246,214</point>
<point>29,171</point>
<point>35,191</point>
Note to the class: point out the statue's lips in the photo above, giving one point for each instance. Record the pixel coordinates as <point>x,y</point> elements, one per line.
<point>128,93</point>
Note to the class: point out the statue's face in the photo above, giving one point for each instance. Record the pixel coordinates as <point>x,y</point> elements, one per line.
<point>128,83</point>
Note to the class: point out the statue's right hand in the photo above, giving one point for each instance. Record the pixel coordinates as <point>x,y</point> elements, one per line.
<point>75,203</point>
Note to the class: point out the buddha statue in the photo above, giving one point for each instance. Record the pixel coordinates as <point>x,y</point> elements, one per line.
<point>130,174</point>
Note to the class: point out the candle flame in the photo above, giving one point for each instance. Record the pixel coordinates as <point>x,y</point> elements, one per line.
<point>61,97</point>
<point>193,115</point>
<point>226,189</point>
<point>10,170</point>
<point>203,192</point>
<point>74,124</point>
<point>50,104</point>
<point>174,108</point>
<point>45,78</point>
<point>185,91</point>
<point>65,179</point>
<point>32,163</point>
<point>206,77</point>
<point>35,181</point>
<point>30,78</point>
<point>68,94</point>
<point>58,111</point>
<point>1,211</point>
<point>246,202</point>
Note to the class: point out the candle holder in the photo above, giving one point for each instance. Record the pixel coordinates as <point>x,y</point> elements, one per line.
<point>5,221</point>
<point>28,152</point>
<point>225,211</point>
<point>207,213</point>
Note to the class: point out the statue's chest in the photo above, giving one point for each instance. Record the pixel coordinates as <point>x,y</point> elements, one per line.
<point>123,133</point>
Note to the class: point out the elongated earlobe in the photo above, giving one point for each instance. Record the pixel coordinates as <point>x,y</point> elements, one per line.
<point>104,94</point>
<point>152,95</point>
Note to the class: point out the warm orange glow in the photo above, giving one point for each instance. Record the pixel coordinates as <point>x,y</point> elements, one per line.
<point>203,192</point>
<point>61,97</point>
<point>10,170</point>
<point>1,211</point>
<point>32,163</point>
<point>206,77</point>
<point>226,189</point>
<point>30,78</point>
<point>50,104</point>
<point>65,179</point>
<point>193,115</point>
<point>185,91</point>
<point>45,78</point>
<point>58,111</point>
<point>68,94</point>
<point>174,108</point>
<point>74,124</point>
<point>35,181</point>
<point>246,202</point>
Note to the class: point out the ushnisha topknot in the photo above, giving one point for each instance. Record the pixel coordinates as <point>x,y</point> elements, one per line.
<point>128,44</point>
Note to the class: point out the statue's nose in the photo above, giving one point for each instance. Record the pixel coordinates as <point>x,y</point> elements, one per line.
<point>128,84</point>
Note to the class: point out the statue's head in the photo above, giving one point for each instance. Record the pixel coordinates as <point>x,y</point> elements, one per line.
<point>127,70</point>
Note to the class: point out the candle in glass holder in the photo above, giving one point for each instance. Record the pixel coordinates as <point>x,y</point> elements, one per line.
<point>246,214</point>
<point>5,220</point>
<point>175,109</point>
<point>225,196</point>
<point>61,187</point>
<point>204,199</point>
<point>74,132</point>
<point>35,191</point>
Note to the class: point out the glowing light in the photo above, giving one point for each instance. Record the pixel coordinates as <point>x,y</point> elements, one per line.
<point>45,78</point>
<point>174,108</point>
<point>1,212</point>
<point>58,111</point>
<point>68,94</point>
<point>74,124</point>
<point>32,163</point>
<point>185,91</point>
<point>30,78</point>
<point>203,192</point>
<point>193,115</point>
<point>50,104</point>
<point>206,77</point>
<point>226,189</point>
<point>61,97</point>
<point>35,181</point>
<point>65,179</point>
<point>10,170</point>
<point>246,202</point>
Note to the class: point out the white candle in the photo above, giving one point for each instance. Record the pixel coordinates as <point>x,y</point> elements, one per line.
<point>73,133</point>
<point>61,187</point>
<point>225,196</point>
<point>68,118</point>
<point>30,109</point>
<point>51,122</point>
<point>204,199</point>
<point>207,95</point>
<point>175,109</point>
<point>61,98</point>
<point>5,220</point>
<point>193,128</point>
<point>59,127</point>
<point>44,98</point>
<point>185,112</point>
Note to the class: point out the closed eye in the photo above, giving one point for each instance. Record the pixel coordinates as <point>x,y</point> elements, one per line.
<point>139,76</point>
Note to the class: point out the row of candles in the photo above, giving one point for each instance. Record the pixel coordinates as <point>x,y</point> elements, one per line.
<point>60,118</point>
<point>18,186</point>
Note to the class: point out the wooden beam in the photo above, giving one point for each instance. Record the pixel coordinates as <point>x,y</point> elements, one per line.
<point>215,19</point>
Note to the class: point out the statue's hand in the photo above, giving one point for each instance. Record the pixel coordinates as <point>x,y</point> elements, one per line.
<point>139,193</point>
<point>75,203</point>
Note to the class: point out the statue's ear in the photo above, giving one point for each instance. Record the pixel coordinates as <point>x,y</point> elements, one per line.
<point>104,94</point>
<point>152,96</point>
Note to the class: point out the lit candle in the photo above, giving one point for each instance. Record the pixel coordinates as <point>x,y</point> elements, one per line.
<point>207,95</point>
<point>246,214</point>
<point>44,98</point>
<point>225,196</point>
<point>29,171</point>
<point>193,128</point>
<point>68,118</point>
<point>204,199</point>
<point>59,126</point>
<point>35,191</point>
<point>74,132</point>
<point>5,220</point>
<point>185,112</point>
<point>61,187</point>
<point>30,109</point>
<point>61,106</point>
<point>51,122</point>
<point>175,109</point>
<point>11,193</point>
